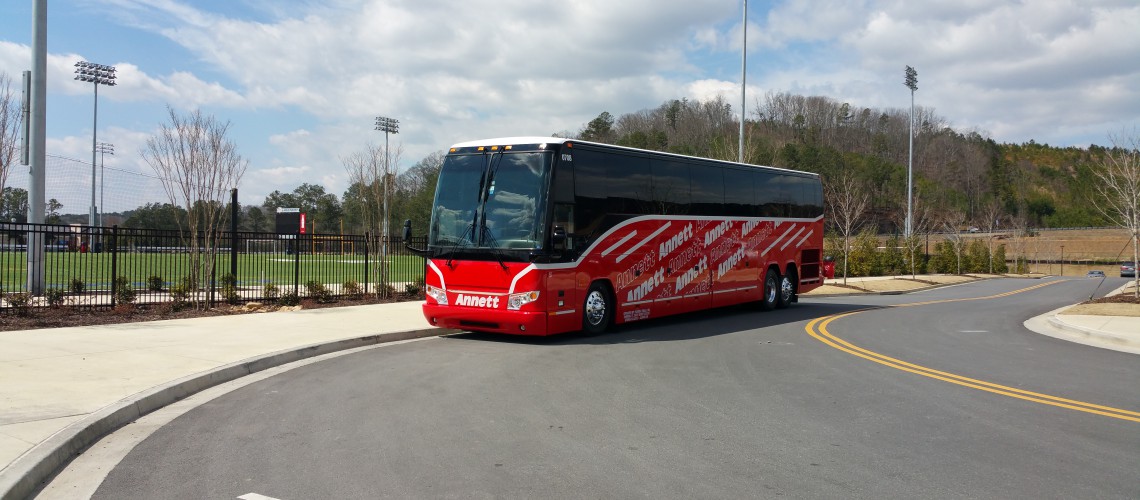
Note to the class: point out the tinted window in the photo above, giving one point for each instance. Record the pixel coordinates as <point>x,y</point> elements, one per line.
<point>771,194</point>
<point>630,183</point>
<point>590,194</point>
<point>738,192</point>
<point>707,189</point>
<point>562,186</point>
<point>670,194</point>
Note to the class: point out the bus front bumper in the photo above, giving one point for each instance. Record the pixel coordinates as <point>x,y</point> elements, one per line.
<point>484,320</point>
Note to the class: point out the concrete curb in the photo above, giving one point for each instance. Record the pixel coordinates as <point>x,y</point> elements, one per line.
<point>1094,336</point>
<point>31,471</point>
<point>892,292</point>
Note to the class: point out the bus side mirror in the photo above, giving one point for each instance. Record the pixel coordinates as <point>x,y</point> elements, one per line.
<point>558,239</point>
<point>407,230</point>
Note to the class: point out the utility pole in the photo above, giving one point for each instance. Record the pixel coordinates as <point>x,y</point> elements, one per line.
<point>743,79</point>
<point>912,84</point>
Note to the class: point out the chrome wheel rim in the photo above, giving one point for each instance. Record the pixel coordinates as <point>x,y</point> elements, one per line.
<point>595,308</point>
<point>786,289</point>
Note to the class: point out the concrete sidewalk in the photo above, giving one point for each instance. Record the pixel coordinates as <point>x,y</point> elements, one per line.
<point>62,389</point>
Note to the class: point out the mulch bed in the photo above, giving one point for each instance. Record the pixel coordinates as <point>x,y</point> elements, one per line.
<point>1123,298</point>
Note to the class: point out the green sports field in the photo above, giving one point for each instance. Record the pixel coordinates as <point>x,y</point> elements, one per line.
<point>253,270</point>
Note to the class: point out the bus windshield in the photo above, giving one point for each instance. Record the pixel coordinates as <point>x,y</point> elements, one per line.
<point>490,201</point>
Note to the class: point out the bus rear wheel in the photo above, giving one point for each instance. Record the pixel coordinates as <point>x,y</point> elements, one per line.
<point>597,310</point>
<point>787,293</point>
<point>771,290</point>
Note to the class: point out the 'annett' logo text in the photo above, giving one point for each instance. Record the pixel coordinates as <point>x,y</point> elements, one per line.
<point>472,301</point>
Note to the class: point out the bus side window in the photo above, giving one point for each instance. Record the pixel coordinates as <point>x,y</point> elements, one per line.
<point>564,217</point>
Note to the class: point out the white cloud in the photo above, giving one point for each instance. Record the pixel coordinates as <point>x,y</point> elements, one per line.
<point>1057,72</point>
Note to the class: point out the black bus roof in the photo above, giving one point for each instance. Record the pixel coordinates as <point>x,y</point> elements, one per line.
<point>531,143</point>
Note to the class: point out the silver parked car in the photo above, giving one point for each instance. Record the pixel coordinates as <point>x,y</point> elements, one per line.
<point>1128,269</point>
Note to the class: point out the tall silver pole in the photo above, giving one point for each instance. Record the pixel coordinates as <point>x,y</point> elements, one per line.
<point>385,184</point>
<point>37,144</point>
<point>910,168</point>
<point>743,78</point>
<point>387,125</point>
<point>912,83</point>
<point>97,74</point>
<point>94,148</point>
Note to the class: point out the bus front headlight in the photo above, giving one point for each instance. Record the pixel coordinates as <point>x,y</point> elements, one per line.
<point>517,300</point>
<point>437,294</point>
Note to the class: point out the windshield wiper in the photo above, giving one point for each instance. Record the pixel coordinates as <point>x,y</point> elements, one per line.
<point>459,242</point>
<point>491,242</point>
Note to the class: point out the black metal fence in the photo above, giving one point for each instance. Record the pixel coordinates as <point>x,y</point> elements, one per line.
<point>86,266</point>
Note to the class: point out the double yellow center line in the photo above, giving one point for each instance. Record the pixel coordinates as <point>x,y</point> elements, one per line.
<point>818,328</point>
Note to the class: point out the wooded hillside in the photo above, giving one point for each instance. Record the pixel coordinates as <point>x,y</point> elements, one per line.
<point>960,172</point>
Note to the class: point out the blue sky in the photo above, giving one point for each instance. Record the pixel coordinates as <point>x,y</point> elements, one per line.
<point>301,81</point>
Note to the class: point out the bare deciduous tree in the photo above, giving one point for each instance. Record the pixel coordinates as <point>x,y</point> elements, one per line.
<point>366,175</point>
<point>991,216</point>
<point>1118,188</point>
<point>198,166</point>
<point>11,119</point>
<point>922,222</point>
<point>847,203</point>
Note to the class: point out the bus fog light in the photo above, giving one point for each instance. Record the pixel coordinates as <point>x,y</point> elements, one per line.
<point>437,294</point>
<point>517,300</point>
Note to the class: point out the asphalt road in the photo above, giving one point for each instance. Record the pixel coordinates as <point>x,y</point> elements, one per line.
<point>950,399</point>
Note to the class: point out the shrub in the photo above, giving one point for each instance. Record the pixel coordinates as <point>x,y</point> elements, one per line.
<point>269,292</point>
<point>864,256</point>
<point>180,297</point>
<point>190,283</point>
<point>124,290</point>
<point>229,289</point>
<point>385,291</point>
<point>155,283</point>
<point>318,292</point>
<point>289,298</point>
<point>19,302</point>
<point>76,285</point>
<point>55,296</point>
<point>413,289</point>
<point>976,258</point>
<point>999,260</point>
<point>893,258</point>
<point>351,288</point>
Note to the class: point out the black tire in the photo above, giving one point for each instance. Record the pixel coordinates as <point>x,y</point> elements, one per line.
<point>787,292</point>
<point>597,310</point>
<point>771,290</point>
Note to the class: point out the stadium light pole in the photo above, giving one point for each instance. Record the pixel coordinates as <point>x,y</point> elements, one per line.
<point>388,126</point>
<point>105,148</point>
<point>743,78</point>
<point>912,84</point>
<point>37,138</point>
<point>97,74</point>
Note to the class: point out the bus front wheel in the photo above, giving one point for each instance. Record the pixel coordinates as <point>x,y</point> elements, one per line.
<point>771,290</point>
<point>598,310</point>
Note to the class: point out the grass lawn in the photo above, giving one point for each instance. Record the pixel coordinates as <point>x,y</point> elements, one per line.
<point>253,270</point>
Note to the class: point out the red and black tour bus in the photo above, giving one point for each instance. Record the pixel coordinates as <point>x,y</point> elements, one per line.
<point>540,235</point>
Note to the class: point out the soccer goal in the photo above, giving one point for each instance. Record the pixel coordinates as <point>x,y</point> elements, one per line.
<point>272,246</point>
